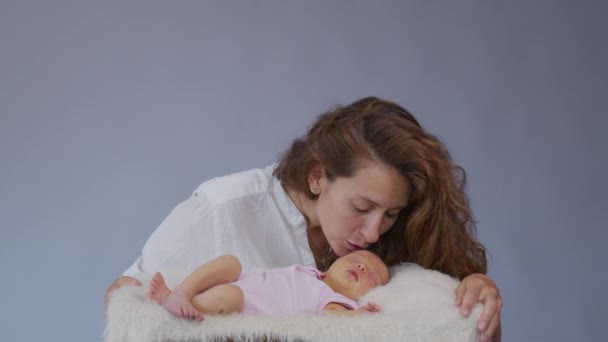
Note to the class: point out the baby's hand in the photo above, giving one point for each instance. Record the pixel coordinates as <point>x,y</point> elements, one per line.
<point>370,308</point>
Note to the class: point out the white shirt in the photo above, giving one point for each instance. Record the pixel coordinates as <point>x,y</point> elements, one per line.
<point>246,214</point>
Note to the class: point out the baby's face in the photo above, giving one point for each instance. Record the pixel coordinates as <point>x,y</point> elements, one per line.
<point>354,274</point>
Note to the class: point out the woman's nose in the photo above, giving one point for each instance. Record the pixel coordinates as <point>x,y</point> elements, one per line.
<point>371,231</point>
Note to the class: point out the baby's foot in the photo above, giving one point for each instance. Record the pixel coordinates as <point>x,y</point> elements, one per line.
<point>181,306</point>
<point>158,290</point>
<point>173,301</point>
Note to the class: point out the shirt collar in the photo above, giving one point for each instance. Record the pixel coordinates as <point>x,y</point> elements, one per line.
<point>286,206</point>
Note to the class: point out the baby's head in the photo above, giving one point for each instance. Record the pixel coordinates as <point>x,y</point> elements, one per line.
<point>354,274</point>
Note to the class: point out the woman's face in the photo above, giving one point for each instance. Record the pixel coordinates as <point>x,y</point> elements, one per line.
<point>353,212</point>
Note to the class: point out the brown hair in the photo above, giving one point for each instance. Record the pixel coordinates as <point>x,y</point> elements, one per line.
<point>437,229</point>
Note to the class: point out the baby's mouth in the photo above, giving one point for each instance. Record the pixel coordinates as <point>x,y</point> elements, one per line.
<point>354,274</point>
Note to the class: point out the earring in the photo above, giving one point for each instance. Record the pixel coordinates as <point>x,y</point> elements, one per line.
<point>314,191</point>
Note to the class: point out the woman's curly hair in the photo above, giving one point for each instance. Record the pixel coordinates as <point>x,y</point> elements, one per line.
<point>437,229</point>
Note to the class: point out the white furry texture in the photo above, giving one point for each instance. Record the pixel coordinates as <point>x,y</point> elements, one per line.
<point>418,306</point>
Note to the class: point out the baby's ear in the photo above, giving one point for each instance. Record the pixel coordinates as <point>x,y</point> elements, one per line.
<point>323,275</point>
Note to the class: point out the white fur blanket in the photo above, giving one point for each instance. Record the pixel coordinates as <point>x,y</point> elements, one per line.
<point>418,306</point>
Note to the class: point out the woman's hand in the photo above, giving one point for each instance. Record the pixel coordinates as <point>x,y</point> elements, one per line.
<point>479,287</point>
<point>118,283</point>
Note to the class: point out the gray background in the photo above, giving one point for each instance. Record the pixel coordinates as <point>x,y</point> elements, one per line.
<point>112,113</point>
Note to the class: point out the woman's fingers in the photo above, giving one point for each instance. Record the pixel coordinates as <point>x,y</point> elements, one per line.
<point>487,314</point>
<point>474,288</point>
<point>489,332</point>
<point>118,283</point>
<point>460,291</point>
<point>470,297</point>
<point>491,306</point>
<point>480,288</point>
<point>490,315</point>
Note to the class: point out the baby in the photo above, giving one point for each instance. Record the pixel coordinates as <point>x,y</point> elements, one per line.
<point>218,287</point>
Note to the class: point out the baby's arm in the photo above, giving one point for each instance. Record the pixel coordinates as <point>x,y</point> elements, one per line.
<point>338,309</point>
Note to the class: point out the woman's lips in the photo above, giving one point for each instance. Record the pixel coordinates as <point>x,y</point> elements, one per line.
<point>352,247</point>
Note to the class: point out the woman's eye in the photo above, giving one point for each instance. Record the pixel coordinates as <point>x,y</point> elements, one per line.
<point>360,210</point>
<point>392,216</point>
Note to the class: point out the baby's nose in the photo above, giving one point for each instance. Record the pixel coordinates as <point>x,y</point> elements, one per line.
<point>361,267</point>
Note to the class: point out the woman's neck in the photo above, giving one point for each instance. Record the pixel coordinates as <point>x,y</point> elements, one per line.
<point>318,246</point>
<point>305,205</point>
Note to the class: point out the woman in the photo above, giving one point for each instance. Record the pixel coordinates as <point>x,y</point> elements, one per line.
<point>366,176</point>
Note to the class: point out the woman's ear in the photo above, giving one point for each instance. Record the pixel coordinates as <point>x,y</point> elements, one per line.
<point>316,178</point>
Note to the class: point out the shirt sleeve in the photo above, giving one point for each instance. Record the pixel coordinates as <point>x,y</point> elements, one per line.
<point>329,296</point>
<point>183,240</point>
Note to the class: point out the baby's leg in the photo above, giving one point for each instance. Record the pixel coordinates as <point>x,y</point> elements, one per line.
<point>222,270</point>
<point>221,299</point>
<point>174,302</point>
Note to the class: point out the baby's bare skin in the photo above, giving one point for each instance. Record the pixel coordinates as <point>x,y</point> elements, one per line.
<point>174,301</point>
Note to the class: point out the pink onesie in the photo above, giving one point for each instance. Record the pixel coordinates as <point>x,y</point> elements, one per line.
<point>289,290</point>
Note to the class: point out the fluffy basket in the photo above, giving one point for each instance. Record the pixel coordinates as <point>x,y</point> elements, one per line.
<point>418,306</point>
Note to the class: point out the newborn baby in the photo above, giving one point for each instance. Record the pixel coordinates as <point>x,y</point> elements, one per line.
<point>219,287</point>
